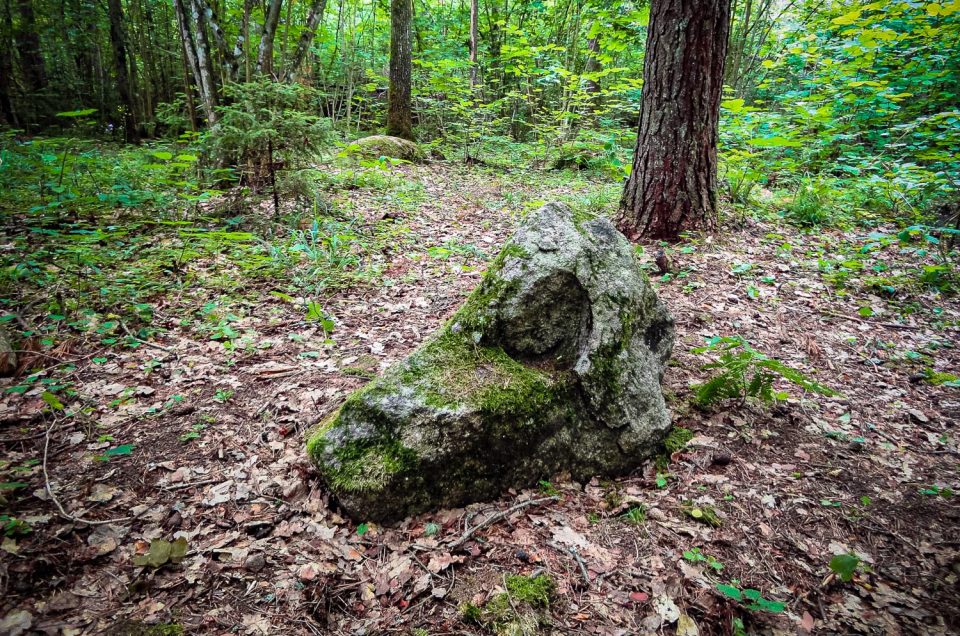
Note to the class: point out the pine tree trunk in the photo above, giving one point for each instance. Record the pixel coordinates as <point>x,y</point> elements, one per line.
<point>118,42</point>
<point>399,116</point>
<point>673,184</point>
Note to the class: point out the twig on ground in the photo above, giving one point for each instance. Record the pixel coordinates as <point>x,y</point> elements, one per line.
<point>583,566</point>
<point>46,483</point>
<point>147,342</point>
<point>194,484</point>
<point>492,519</point>
<point>890,325</point>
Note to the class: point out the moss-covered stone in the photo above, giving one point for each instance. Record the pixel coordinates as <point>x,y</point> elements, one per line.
<point>553,363</point>
<point>677,439</point>
<point>376,146</point>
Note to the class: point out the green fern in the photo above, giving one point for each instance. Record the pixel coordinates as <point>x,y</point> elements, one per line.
<point>745,372</point>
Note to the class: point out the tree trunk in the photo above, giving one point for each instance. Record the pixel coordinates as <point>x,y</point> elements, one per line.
<point>474,37</point>
<point>399,116</point>
<point>673,184</point>
<point>592,65</point>
<point>317,7</point>
<point>197,61</point>
<point>118,42</point>
<point>7,110</point>
<point>28,48</point>
<point>265,53</point>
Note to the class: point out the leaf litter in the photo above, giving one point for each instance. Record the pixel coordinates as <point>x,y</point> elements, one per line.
<point>229,529</point>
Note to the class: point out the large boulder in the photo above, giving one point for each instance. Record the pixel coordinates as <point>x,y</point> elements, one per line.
<point>553,364</point>
<point>377,146</point>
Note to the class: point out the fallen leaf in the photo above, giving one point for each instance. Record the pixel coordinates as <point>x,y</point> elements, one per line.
<point>16,622</point>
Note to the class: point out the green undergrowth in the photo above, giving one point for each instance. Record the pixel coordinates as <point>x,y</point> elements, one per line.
<point>519,611</point>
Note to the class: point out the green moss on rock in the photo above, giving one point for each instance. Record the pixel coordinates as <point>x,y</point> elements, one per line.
<point>677,439</point>
<point>543,369</point>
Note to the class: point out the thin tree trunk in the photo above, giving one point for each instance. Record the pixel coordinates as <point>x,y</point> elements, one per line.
<point>240,48</point>
<point>28,48</point>
<point>399,115</point>
<point>265,53</point>
<point>673,184</point>
<point>200,76</point>
<point>592,66</point>
<point>207,80</point>
<point>6,69</point>
<point>317,8</point>
<point>118,42</point>
<point>474,37</point>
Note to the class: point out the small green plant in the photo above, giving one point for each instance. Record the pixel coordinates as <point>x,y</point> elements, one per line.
<point>701,512</point>
<point>548,488</point>
<point>845,566</point>
<point>535,591</point>
<point>13,527</point>
<point>471,613</point>
<point>677,439</point>
<point>635,515</point>
<point>751,599</point>
<point>937,491</point>
<point>745,373</point>
<point>193,433</point>
<point>694,555</point>
<point>223,395</point>
<point>810,206</point>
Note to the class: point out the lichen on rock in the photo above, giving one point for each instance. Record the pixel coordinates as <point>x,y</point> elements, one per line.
<point>376,146</point>
<point>553,364</point>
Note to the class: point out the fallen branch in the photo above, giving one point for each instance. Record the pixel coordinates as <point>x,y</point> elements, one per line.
<point>583,566</point>
<point>63,512</point>
<point>492,519</point>
<point>891,325</point>
<point>147,342</point>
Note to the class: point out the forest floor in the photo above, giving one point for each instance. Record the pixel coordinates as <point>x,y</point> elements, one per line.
<point>186,437</point>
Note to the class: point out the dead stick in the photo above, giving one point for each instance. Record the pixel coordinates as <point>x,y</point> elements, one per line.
<point>492,519</point>
<point>147,342</point>
<point>583,566</point>
<point>891,325</point>
<point>46,482</point>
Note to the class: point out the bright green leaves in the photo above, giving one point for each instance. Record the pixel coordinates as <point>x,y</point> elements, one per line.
<point>845,566</point>
<point>777,141</point>
<point>751,599</point>
<point>117,451</point>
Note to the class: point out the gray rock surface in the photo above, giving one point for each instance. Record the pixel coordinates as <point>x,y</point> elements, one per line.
<point>376,146</point>
<point>553,364</point>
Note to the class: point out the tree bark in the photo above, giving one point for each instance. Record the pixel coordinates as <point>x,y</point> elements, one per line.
<point>399,115</point>
<point>265,53</point>
<point>28,48</point>
<point>119,44</point>
<point>672,187</point>
<point>6,69</point>
<point>593,65</point>
<point>197,61</point>
<point>317,7</point>
<point>474,37</point>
